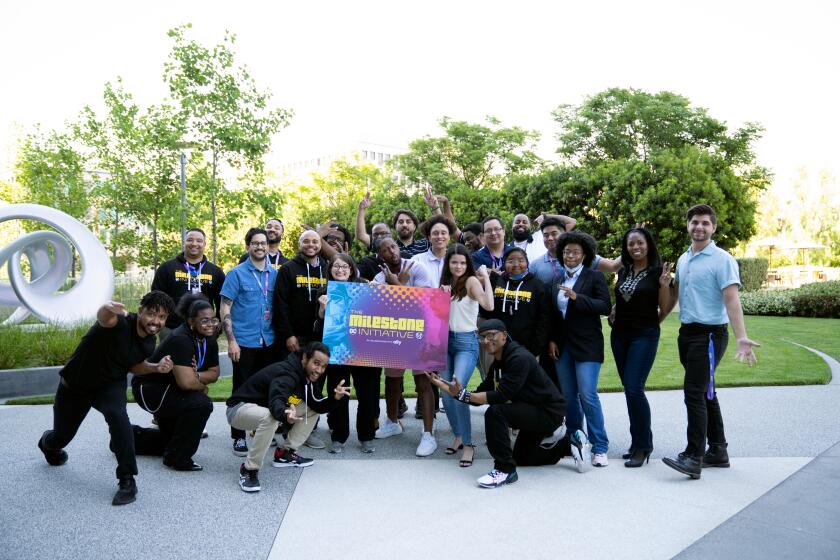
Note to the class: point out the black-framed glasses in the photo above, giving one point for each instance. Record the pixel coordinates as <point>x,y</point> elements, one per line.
<point>205,322</point>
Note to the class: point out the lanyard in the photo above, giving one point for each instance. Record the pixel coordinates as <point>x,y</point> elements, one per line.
<point>202,352</point>
<point>264,287</point>
<point>194,273</point>
<point>710,391</point>
<point>497,263</point>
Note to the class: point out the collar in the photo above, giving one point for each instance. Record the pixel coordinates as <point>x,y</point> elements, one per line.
<point>250,266</point>
<point>707,250</point>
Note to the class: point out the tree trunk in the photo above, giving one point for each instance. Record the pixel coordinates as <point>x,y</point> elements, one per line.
<point>155,240</point>
<point>213,206</point>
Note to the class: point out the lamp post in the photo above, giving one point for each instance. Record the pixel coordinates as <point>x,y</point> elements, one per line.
<point>184,147</point>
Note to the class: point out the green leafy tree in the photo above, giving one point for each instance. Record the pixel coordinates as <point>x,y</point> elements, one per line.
<point>226,114</point>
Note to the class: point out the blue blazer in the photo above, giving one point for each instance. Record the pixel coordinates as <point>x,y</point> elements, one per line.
<point>579,331</point>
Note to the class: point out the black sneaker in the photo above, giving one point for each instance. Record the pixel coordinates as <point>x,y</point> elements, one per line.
<point>288,458</point>
<point>240,448</point>
<point>248,480</point>
<point>54,458</point>
<point>126,493</point>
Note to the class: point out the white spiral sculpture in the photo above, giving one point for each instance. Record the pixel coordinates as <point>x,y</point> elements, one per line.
<point>39,295</point>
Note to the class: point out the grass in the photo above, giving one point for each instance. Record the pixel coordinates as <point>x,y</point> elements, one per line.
<point>780,363</point>
<point>44,345</point>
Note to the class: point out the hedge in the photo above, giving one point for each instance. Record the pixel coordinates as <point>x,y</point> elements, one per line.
<point>753,272</point>
<point>820,299</point>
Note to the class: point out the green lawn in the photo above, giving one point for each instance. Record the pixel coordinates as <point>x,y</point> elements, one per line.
<point>779,362</point>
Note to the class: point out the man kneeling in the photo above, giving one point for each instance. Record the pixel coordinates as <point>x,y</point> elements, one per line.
<point>287,390</point>
<point>521,396</point>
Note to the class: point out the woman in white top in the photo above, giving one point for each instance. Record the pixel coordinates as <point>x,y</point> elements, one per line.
<point>469,288</point>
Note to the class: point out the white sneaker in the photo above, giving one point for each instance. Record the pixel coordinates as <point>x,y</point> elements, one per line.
<point>388,429</point>
<point>600,460</point>
<point>550,441</point>
<point>427,445</point>
<point>581,450</point>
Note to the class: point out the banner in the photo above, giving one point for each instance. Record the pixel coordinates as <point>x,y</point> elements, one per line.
<point>387,326</point>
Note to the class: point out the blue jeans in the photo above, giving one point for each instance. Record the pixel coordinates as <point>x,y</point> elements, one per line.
<point>634,352</point>
<point>461,359</point>
<point>579,382</point>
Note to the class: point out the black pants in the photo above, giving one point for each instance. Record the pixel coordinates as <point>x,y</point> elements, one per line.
<point>181,417</point>
<point>251,360</point>
<point>533,421</point>
<point>70,409</point>
<point>366,380</point>
<point>704,417</point>
<point>528,453</point>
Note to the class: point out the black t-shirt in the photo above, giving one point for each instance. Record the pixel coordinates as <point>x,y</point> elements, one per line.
<point>104,355</point>
<point>369,267</point>
<point>637,299</point>
<point>182,346</point>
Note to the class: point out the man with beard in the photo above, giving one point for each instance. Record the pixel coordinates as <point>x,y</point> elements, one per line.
<point>189,273</point>
<point>274,230</point>
<point>95,377</point>
<point>405,223</point>
<point>247,306</point>
<point>398,271</point>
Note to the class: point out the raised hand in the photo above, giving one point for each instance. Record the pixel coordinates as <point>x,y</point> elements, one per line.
<point>364,204</point>
<point>665,277</point>
<point>405,273</point>
<point>341,391</point>
<point>116,308</point>
<point>390,278</point>
<point>429,198</point>
<point>481,273</point>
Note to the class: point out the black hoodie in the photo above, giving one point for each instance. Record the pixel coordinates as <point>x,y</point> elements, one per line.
<point>291,386</point>
<point>523,306</point>
<point>255,389</point>
<point>177,277</point>
<point>296,298</point>
<point>518,377</point>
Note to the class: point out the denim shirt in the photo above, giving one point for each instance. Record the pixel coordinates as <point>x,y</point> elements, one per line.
<point>250,314</point>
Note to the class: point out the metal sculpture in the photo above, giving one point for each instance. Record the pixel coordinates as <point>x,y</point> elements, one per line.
<point>40,294</point>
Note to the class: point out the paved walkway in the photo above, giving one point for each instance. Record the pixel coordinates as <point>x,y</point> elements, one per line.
<point>394,505</point>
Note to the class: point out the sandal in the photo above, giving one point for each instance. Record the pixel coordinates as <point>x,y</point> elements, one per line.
<point>463,463</point>
<point>453,450</point>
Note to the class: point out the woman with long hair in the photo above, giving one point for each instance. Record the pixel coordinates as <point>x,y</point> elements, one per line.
<point>642,291</point>
<point>178,400</point>
<point>468,288</point>
<point>342,268</point>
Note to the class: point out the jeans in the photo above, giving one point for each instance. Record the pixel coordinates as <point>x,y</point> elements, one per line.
<point>461,359</point>
<point>634,353</point>
<point>704,417</point>
<point>579,382</point>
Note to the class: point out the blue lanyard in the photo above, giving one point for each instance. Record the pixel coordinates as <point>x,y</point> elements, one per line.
<point>193,273</point>
<point>202,352</point>
<point>710,391</point>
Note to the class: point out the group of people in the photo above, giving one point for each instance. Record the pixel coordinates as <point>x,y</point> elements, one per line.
<point>525,313</point>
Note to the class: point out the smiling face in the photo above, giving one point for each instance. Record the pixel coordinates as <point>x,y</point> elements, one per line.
<point>258,247</point>
<point>572,255</point>
<point>309,244</point>
<point>550,236</point>
<point>340,270</point>
<point>315,365</point>
<point>492,341</point>
<point>494,233</point>
<point>194,244</point>
<point>521,228</point>
<point>274,229</point>
<point>473,242</point>
<point>379,231</point>
<point>205,323</point>
<point>151,320</point>
<point>405,227</point>
<point>701,228</point>
<point>439,237</point>
<point>637,246</point>
<point>516,263</point>
<point>335,239</point>
<point>457,266</point>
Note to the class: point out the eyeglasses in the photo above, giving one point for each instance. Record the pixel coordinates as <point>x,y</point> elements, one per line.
<point>515,261</point>
<point>341,267</point>
<point>484,337</point>
<point>331,238</point>
<point>204,322</point>
<point>493,231</point>
<point>258,243</point>
<point>572,253</point>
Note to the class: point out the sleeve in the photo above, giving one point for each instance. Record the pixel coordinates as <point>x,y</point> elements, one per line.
<point>598,303</point>
<point>159,282</point>
<point>218,282</point>
<point>729,274</point>
<point>379,278</point>
<point>278,396</point>
<point>230,288</point>
<point>212,358</point>
<point>542,327</point>
<point>180,349</point>
<point>511,381</point>
<point>595,262</point>
<point>281,309</point>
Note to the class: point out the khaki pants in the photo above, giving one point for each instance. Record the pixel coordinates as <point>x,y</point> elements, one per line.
<point>302,428</point>
<point>252,417</point>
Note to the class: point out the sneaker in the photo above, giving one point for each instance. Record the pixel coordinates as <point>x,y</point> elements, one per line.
<point>427,445</point>
<point>550,441</point>
<point>54,458</point>
<point>248,480</point>
<point>336,447</point>
<point>495,478</point>
<point>367,447</point>
<point>581,450</point>
<point>126,493</point>
<point>274,442</point>
<point>388,429</point>
<point>314,442</point>
<point>240,448</point>
<point>600,460</point>
<point>288,458</point>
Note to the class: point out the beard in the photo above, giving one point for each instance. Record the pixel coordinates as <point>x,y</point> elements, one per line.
<point>521,234</point>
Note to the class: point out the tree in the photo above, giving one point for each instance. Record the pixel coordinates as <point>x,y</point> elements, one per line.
<point>226,114</point>
<point>468,155</point>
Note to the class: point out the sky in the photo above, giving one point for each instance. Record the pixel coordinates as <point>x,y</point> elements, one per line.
<point>385,72</point>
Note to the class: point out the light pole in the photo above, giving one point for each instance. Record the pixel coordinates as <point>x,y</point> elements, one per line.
<point>184,147</point>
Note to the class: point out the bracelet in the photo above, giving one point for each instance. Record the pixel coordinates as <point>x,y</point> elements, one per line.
<point>463,396</point>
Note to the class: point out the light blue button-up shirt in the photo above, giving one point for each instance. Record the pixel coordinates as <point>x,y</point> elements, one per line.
<point>569,282</point>
<point>702,277</point>
<point>252,294</point>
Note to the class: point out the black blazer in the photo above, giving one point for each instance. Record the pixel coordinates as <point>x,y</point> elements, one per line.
<point>580,331</point>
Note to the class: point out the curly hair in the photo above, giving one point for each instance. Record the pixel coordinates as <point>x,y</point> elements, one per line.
<point>435,219</point>
<point>190,304</point>
<point>586,242</point>
<point>158,300</point>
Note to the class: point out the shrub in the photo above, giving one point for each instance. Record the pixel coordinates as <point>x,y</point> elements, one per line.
<point>768,302</point>
<point>753,272</point>
<point>48,345</point>
<point>820,299</point>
